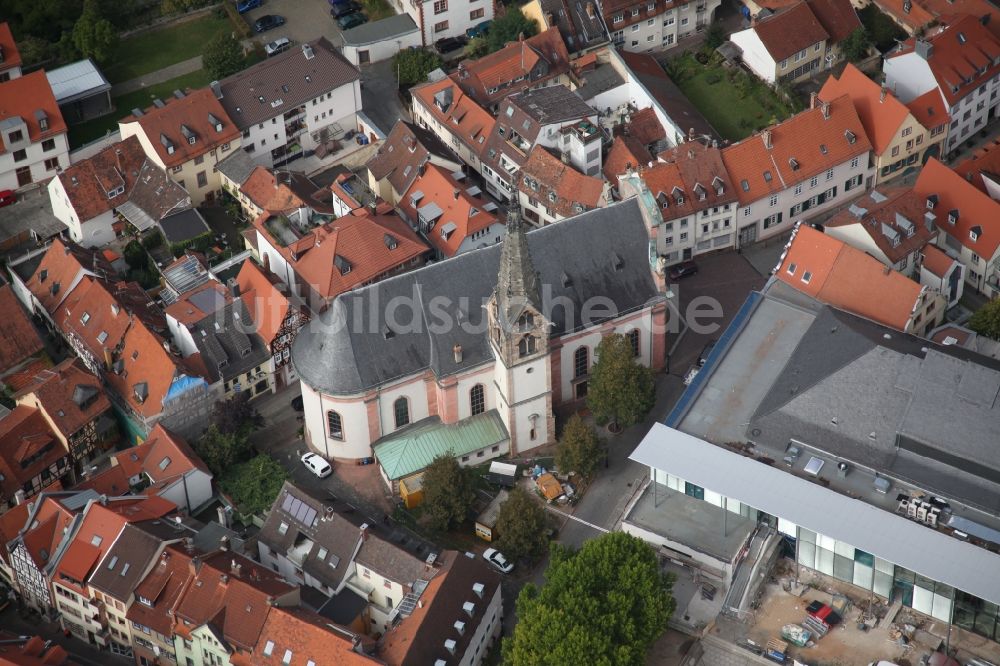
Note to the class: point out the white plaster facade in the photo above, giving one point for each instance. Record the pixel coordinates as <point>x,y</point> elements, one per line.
<point>95,232</point>
<point>665,29</point>
<point>40,160</point>
<point>437,19</point>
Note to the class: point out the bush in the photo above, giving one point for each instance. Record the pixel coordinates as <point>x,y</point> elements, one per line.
<point>223,56</point>
<point>413,65</point>
<point>153,240</point>
<point>135,255</point>
<point>201,243</point>
<point>712,78</point>
<point>241,26</point>
<point>253,485</point>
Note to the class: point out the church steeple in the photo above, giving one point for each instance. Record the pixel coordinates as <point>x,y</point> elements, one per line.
<point>518,287</point>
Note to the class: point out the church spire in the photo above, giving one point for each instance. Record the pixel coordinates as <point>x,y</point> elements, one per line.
<point>518,283</point>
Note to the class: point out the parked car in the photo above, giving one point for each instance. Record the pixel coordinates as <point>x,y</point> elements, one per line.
<point>7,197</point>
<point>267,22</point>
<point>449,44</point>
<point>317,465</point>
<point>478,30</point>
<point>497,559</point>
<point>706,350</point>
<point>351,21</point>
<point>683,270</point>
<point>243,6</point>
<point>342,9</point>
<point>280,45</point>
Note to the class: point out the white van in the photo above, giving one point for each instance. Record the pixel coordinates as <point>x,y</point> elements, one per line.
<point>280,45</point>
<point>317,465</point>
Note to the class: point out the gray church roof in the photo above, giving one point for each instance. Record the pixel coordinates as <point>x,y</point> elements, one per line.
<point>367,338</point>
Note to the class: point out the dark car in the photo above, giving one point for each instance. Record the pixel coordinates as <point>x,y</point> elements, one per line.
<point>246,5</point>
<point>268,21</point>
<point>449,44</point>
<point>683,270</point>
<point>703,358</point>
<point>343,9</point>
<point>352,21</point>
<point>479,30</point>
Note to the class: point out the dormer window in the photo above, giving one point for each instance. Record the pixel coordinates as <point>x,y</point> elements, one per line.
<point>975,232</point>
<point>167,144</point>
<point>43,120</point>
<point>850,136</point>
<point>188,134</point>
<point>215,122</point>
<point>720,187</point>
<point>343,265</point>
<point>793,163</point>
<point>953,216</point>
<point>85,318</point>
<point>117,192</point>
<point>932,201</point>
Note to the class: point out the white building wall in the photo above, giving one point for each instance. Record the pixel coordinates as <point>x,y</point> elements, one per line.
<point>908,76</point>
<point>382,50</point>
<point>182,337</point>
<point>94,232</point>
<point>416,399</point>
<point>487,630</point>
<point>459,14</point>
<point>354,416</point>
<point>970,114</point>
<point>191,492</point>
<point>755,56</point>
<point>494,234</point>
<point>35,158</point>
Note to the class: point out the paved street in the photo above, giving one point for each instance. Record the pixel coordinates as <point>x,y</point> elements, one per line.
<point>305,20</point>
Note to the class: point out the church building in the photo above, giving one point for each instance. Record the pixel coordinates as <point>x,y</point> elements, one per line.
<point>471,354</point>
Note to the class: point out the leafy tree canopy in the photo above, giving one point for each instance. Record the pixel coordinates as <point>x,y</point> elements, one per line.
<point>237,415</point>
<point>605,604</point>
<point>93,35</point>
<point>986,320</point>
<point>579,449</point>
<point>254,484</point>
<point>448,493</point>
<point>413,65</point>
<point>509,28</point>
<point>855,47</point>
<point>223,55</point>
<point>620,390</point>
<point>522,526</point>
<point>221,450</point>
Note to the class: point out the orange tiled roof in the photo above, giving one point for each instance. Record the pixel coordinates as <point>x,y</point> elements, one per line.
<point>369,244</point>
<point>885,212</point>
<point>913,19</point>
<point>188,308</point>
<point>163,457</point>
<point>79,559</point>
<point>18,338</point>
<point>144,362</point>
<point>24,97</point>
<point>936,261</point>
<point>929,109</point>
<point>624,153</point>
<point>837,17</point>
<point>69,395</point>
<point>977,213</point>
<point>509,70</point>
<point>93,316</point>
<point>162,586</point>
<point>44,536</point>
<point>816,143</point>
<point>560,187</point>
<point>27,446</point>
<point>307,636</point>
<point>112,482</point>
<point>847,278</point>
<point>267,193</point>
<point>956,62</point>
<point>789,31</point>
<point>88,182</point>
<point>34,652</point>
<point>701,174</point>
<point>645,127</point>
<point>11,56</point>
<point>11,522</point>
<point>60,268</point>
<point>198,114</point>
<point>268,307</point>
<point>977,8</point>
<point>985,163</point>
<point>881,116</point>
<point>462,214</point>
<point>451,107</point>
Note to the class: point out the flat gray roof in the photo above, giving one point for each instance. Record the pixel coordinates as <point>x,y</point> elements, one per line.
<point>76,81</point>
<point>32,213</point>
<point>378,31</point>
<point>770,489</point>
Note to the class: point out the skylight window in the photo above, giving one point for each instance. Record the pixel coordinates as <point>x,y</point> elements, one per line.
<point>113,562</point>
<point>268,648</point>
<point>806,277</point>
<point>124,569</point>
<point>96,540</point>
<point>164,463</point>
<point>791,269</point>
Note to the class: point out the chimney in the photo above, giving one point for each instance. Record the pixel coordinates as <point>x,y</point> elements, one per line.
<point>224,578</point>
<point>469,608</point>
<point>767,138</point>
<point>457,351</point>
<point>19,496</point>
<point>456,193</point>
<point>520,36</point>
<point>591,11</point>
<point>364,531</point>
<point>478,589</point>
<point>826,110</point>
<point>224,542</point>
<point>189,544</point>
<point>923,48</point>
<point>234,289</point>
<point>223,516</point>
<point>234,567</point>
<point>813,96</point>
<point>216,89</point>
<point>881,97</point>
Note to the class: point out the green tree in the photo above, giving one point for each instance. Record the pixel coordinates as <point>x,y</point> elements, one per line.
<point>413,65</point>
<point>509,28</point>
<point>93,35</point>
<point>604,604</point>
<point>579,449</point>
<point>881,29</point>
<point>477,47</point>
<point>221,450</point>
<point>254,484</point>
<point>223,55</point>
<point>620,390</point>
<point>855,47</point>
<point>236,415</point>
<point>448,493</point>
<point>986,320</point>
<point>522,526</point>
<point>715,36</point>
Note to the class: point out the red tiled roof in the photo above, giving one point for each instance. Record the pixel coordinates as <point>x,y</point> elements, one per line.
<point>913,20</point>
<point>561,188</point>
<point>24,97</point>
<point>815,142</point>
<point>42,539</point>
<point>462,214</point>
<point>200,113</point>
<point>164,456</point>
<point>984,163</point>
<point>267,193</point>
<point>936,261</point>
<point>57,391</point>
<point>881,117</point>
<point>186,308</point>
<point>929,109</point>
<point>849,279</point>
<point>60,268</point>
<point>268,307</point>
<point>837,17</point>
<point>145,362</point>
<point>89,182</point>
<point>307,636</point>
<point>502,69</point>
<point>112,482</point>
<point>362,239</point>
<point>34,652</point>
<point>701,176</point>
<point>962,47</point>
<point>26,375</point>
<point>18,338</point>
<point>976,211</point>
<point>981,9</point>
<point>162,586</point>
<point>886,212</point>
<point>27,446</point>
<point>11,56</point>
<point>79,559</point>
<point>789,31</point>
<point>11,522</point>
<point>625,152</point>
<point>461,114</point>
<point>645,127</point>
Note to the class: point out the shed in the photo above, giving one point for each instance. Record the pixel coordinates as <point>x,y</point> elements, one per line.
<point>549,486</point>
<point>183,226</point>
<point>411,490</point>
<point>81,91</point>
<point>502,474</point>
<point>380,40</point>
<point>487,520</point>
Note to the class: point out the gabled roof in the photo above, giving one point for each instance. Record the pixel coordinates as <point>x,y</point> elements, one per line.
<point>558,186</point>
<point>963,55</point>
<point>350,251</point>
<point>161,587</point>
<point>880,112</point>
<point>70,395</point>
<point>34,651</point>
<point>814,141</point>
<point>406,148</point>
<point>29,98</point>
<point>27,446</point>
<point>510,69</point>
<point>675,104</point>
<point>887,219</point>
<point>11,56</point>
<point>122,566</point>
<point>45,528</point>
<point>983,166</point>
<point>60,267</point>
<point>455,110</point>
<point>93,316</point>
<point>229,347</point>
<point>459,213</point>
<point>237,166</point>
<point>18,338</point>
<point>269,193</point>
<point>276,85</point>
<point>837,17</point>
<point>645,127</point>
<point>267,306</point>
<point>837,274</point>
<point>194,305</point>
<point>936,261</point>
<point>147,371</point>
<point>913,18</point>
<point>626,152</point>
<point>196,115</point>
<point>162,458</point>
<point>789,31</point>
<point>974,209</point>
<point>929,109</point>
<point>700,174</point>
<point>305,637</point>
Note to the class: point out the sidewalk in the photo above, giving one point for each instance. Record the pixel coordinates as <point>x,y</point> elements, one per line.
<point>159,76</point>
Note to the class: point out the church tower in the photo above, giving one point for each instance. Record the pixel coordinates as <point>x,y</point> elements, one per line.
<point>519,336</point>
